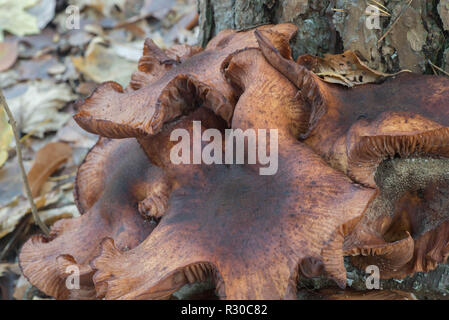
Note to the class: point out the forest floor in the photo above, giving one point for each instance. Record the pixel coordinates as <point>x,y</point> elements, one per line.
<point>52,53</point>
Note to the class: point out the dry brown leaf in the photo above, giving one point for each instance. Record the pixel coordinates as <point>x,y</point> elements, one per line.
<point>15,19</point>
<point>10,182</point>
<point>47,161</point>
<point>9,51</point>
<point>346,69</point>
<point>52,215</point>
<point>102,63</point>
<point>35,45</point>
<point>22,286</point>
<point>14,212</point>
<point>9,267</point>
<point>157,9</point>
<point>5,136</point>
<point>105,7</point>
<point>36,68</point>
<point>44,11</point>
<point>36,106</point>
<point>77,137</point>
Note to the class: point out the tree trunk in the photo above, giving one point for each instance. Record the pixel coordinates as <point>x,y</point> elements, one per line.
<point>411,36</point>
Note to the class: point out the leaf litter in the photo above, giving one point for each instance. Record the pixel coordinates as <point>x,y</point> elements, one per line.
<point>44,68</point>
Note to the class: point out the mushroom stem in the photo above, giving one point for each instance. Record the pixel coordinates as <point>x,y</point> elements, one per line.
<point>26,185</point>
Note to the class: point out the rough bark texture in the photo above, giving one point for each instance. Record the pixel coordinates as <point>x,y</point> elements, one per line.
<point>412,36</point>
<point>419,35</point>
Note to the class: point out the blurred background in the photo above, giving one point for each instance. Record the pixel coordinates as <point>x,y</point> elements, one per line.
<point>53,52</point>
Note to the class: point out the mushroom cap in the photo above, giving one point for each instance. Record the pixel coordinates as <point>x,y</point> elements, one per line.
<point>166,90</point>
<point>392,134</point>
<point>334,109</point>
<point>249,233</point>
<point>264,91</point>
<point>252,234</point>
<point>356,130</point>
<point>111,212</point>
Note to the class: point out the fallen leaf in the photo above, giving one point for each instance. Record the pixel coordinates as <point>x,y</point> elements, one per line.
<point>77,137</point>
<point>36,108</point>
<point>48,159</point>
<point>346,69</point>
<point>14,18</point>
<point>101,63</point>
<point>36,45</point>
<point>22,286</point>
<point>156,8</point>
<point>9,267</point>
<point>44,11</point>
<point>52,215</point>
<point>131,51</point>
<point>10,183</point>
<point>36,68</point>
<point>13,213</point>
<point>6,135</point>
<point>9,51</point>
<point>8,78</point>
<point>105,7</point>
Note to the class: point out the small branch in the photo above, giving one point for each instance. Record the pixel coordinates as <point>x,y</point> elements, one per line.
<point>36,218</point>
<point>437,68</point>
<point>380,4</point>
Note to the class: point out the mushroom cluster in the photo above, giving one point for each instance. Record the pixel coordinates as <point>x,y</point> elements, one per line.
<point>362,172</point>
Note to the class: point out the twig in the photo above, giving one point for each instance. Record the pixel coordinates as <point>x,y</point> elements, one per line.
<point>382,12</point>
<point>12,122</point>
<point>380,4</point>
<point>438,68</point>
<point>395,21</point>
<point>433,69</point>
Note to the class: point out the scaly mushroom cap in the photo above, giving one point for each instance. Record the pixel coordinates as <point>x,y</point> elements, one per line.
<point>115,176</point>
<point>164,89</point>
<point>251,233</point>
<point>356,131</point>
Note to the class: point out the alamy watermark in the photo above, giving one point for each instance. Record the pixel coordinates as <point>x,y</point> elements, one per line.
<point>256,141</point>
<point>373,19</point>
<point>72,22</point>
<point>72,282</point>
<point>373,280</point>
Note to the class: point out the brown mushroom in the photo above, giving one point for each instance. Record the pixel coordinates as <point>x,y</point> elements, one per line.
<point>361,131</point>
<point>110,210</point>
<point>252,234</point>
<point>164,89</point>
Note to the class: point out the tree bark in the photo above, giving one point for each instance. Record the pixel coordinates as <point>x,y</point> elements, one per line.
<point>409,38</point>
